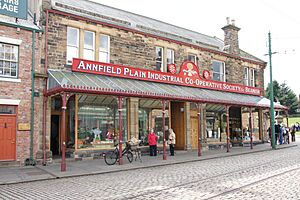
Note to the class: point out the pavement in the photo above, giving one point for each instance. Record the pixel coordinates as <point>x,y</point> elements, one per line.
<point>14,175</point>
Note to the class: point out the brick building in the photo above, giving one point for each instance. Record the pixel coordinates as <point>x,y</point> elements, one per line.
<point>108,67</point>
<point>20,89</point>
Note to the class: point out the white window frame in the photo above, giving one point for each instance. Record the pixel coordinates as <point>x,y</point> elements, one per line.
<point>220,74</point>
<point>87,48</point>
<point>252,77</point>
<point>246,76</point>
<point>161,61</point>
<point>71,46</point>
<point>103,51</point>
<point>194,60</point>
<point>170,56</point>
<point>10,61</point>
<point>249,76</point>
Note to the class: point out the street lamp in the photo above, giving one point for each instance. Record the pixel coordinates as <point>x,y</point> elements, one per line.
<point>271,95</point>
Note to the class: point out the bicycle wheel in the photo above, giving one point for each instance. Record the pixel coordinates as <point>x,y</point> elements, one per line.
<point>129,156</point>
<point>111,157</point>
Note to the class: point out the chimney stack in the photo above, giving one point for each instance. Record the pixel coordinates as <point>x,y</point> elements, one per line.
<point>231,37</point>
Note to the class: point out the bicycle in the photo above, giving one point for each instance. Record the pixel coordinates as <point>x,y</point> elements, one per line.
<point>111,157</point>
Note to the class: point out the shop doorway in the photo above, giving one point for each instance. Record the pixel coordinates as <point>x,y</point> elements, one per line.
<point>55,127</point>
<point>7,137</point>
<point>177,121</point>
<point>194,132</point>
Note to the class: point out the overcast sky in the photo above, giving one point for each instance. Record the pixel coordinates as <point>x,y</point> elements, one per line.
<point>255,18</point>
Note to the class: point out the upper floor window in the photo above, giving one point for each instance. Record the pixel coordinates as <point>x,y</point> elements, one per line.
<point>192,58</point>
<point>104,55</point>
<point>246,76</point>
<point>170,56</point>
<point>218,71</point>
<point>249,76</point>
<point>89,45</point>
<point>9,58</point>
<point>159,58</point>
<point>72,44</point>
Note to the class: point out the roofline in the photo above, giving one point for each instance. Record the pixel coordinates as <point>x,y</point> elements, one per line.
<point>155,36</point>
<point>150,18</point>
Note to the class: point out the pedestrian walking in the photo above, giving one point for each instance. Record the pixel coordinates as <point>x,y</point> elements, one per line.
<point>293,132</point>
<point>152,139</point>
<point>172,141</point>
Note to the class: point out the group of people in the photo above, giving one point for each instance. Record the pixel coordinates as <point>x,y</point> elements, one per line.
<point>282,133</point>
<point>152,140</point>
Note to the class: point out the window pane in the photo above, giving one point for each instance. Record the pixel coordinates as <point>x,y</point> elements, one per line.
<point>7,109</point>
<point>103,57</point>
<point>1,68</point>
<point>104,42</point>
<point>88,40</point>
<point>72,36</point>
<point>218,71</point>
<point>88,54</point>
<point>170,56</point>
<point>1,51</point>
<point>159,58</point>
<point>7,51</point>
<point>216,67</point>
<point>14,55</point>
<point>192,58</point>
<point>72,52</point>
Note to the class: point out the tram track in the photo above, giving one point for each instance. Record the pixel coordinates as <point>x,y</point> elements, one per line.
<point>243,170</point>
<point>253,183</point>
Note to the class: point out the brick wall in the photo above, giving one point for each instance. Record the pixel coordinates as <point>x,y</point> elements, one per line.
<point>22,90</point>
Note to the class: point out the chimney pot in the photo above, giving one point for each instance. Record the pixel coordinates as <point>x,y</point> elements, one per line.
<point>233,22</point>
<point>228,20</point>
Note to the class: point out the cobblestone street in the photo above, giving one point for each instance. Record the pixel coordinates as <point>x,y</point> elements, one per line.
<point>263,175</point>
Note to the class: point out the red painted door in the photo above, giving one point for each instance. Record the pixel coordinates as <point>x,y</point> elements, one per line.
<point>7,137</point>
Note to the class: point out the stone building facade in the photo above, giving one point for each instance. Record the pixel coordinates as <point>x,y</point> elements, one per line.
<point>74,30</point>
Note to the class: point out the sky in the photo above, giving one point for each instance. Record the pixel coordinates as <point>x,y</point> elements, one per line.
<point>256,18</point>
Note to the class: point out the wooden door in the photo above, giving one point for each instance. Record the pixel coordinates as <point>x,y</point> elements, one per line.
<point>177,117</point>
<point>7,137</point>
<point>194,132</point>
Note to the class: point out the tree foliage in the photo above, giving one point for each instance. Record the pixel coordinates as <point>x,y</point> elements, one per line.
<point>284,95</point>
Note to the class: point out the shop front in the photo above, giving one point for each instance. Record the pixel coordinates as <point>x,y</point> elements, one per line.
<point>97,104</point>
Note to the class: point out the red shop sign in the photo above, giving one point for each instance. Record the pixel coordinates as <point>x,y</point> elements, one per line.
<point>188,76</point>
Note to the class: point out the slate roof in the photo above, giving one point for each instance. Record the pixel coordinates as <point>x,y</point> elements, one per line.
<point>141,23</point>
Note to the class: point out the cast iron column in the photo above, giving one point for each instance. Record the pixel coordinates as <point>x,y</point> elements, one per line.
<point>227,132</point>
<point>164,131</point>
<point>199,129</point>
<point>120,101</point>
<point>63,131</point>
<point>250,128</point>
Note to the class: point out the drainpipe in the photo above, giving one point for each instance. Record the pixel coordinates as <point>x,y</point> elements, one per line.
<point>32,96</point>
<point>45,90</point>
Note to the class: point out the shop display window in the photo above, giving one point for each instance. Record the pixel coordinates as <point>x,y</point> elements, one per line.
<point>150,116</point>
<point>98,122</point>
